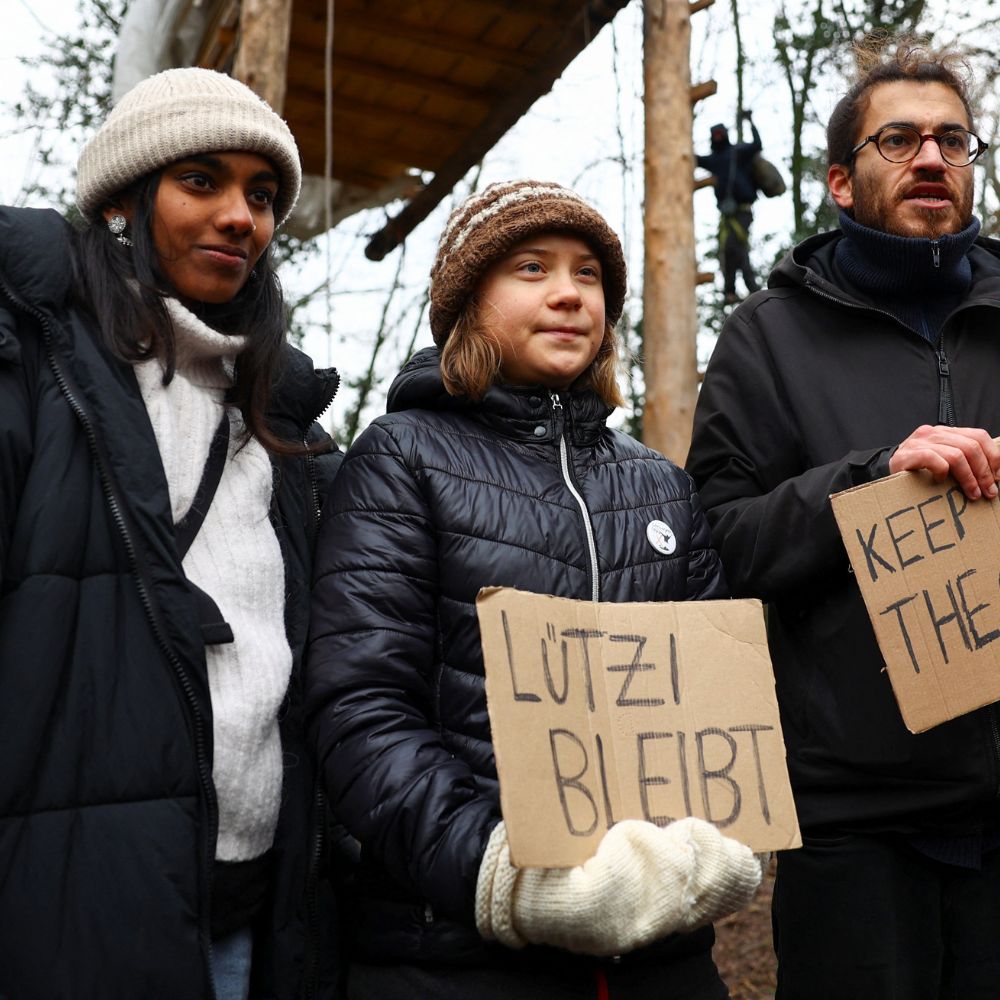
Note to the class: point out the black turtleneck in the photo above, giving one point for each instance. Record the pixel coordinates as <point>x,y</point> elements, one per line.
<point>918,280</point>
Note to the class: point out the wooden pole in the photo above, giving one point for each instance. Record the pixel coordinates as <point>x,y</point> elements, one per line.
<point>262,57</point>
<point>670,320</point>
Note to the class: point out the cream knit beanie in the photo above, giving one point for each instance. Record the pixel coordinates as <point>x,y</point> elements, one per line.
<point>487,224</point>
<point>179,113</point>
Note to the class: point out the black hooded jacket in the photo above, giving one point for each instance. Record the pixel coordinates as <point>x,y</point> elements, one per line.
<point>809,391</point>
<point>435,500</point>
<point>107,809</point>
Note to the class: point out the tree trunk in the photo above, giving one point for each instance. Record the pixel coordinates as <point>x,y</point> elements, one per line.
<point>262,57</point>
<point>670,320</point>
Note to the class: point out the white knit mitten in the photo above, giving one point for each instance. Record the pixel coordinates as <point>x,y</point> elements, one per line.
<point>644,883</point>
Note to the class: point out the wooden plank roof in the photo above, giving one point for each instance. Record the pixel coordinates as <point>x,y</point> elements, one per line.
<point>422,89</point>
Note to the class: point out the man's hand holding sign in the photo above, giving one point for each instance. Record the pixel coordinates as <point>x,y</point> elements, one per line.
<point>968,454</point>
<point>925,554</point>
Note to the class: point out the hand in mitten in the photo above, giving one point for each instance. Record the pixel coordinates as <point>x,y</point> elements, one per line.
<point>644,883</point>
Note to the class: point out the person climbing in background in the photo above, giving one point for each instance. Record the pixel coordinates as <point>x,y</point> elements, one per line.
<point>735,193</point>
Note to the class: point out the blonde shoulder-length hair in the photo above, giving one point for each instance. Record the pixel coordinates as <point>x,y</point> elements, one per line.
<point>470,361</point>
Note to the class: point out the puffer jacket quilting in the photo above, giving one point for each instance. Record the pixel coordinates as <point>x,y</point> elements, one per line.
<point>434,501</point>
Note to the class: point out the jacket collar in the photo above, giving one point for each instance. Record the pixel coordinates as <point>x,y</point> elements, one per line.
<point>34,249</point>
<point>525,413</point>
<point>812,265</point>
<point>302,393</point>
<point>906,267</point>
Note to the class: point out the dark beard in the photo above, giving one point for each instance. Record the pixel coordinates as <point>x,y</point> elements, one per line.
<point>876,210</point>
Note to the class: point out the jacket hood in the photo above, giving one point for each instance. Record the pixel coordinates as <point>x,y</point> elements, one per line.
<point>806,262</point>
<point>302,392</point>
<point>419,386</point>
<point>30,240</point>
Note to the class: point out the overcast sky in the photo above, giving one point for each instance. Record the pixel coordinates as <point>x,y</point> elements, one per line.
<point>25,25</point>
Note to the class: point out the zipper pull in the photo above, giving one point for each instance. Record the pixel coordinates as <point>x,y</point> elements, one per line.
<point>936,252</point>
<point>946,414</point>
<point>558,409</point>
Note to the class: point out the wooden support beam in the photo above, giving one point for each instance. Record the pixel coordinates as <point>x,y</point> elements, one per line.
<point>702,90</point>
<point>507,110</point>
<point>221,35</point>
<point>669,311</point>
<point>307,106</point>
<point>697,5</point>
<point>503,8</point>
<point>395,149</point>
<point>262,57</point>
<point>362,177</point>
<point>703,182</point>
<point>704,277</point>
<point>393,77</point>
<point>439,41</point>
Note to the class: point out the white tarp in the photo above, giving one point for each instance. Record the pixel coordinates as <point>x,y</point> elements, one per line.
<point>157,35</point>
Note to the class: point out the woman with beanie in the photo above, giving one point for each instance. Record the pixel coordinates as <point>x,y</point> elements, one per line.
<point>159,472</point>
<point>494,467</point>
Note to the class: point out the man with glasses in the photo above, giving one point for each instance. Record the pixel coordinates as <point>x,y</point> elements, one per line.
<point>875,349</point>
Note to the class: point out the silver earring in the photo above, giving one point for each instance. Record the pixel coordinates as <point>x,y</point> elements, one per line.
<point>117,224</point>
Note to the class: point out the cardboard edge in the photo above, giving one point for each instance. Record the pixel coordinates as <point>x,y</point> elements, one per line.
<point>868,486</point>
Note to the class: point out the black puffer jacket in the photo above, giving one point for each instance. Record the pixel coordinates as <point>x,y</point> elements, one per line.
<point>435,500</point>
<point>808,392</point>
<point>107,810</point>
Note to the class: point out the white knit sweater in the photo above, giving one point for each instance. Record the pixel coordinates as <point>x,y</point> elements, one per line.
<point>236,559</point>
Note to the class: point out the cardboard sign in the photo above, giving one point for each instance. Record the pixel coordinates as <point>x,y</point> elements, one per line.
<point>602,712</point>
<point>926,559</point>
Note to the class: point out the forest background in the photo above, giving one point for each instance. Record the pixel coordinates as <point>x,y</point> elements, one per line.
<point>786,60</point>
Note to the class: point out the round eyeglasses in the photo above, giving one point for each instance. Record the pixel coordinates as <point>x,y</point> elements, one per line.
<point>902,143</point>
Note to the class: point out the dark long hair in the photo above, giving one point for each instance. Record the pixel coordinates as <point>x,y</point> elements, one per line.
<point>124,288</point>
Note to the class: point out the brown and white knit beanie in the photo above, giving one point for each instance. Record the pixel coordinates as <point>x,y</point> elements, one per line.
<point>488,223</point>
<point>179,113</point>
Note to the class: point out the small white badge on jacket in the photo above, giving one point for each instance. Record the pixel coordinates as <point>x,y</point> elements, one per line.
<point>661,537</point>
